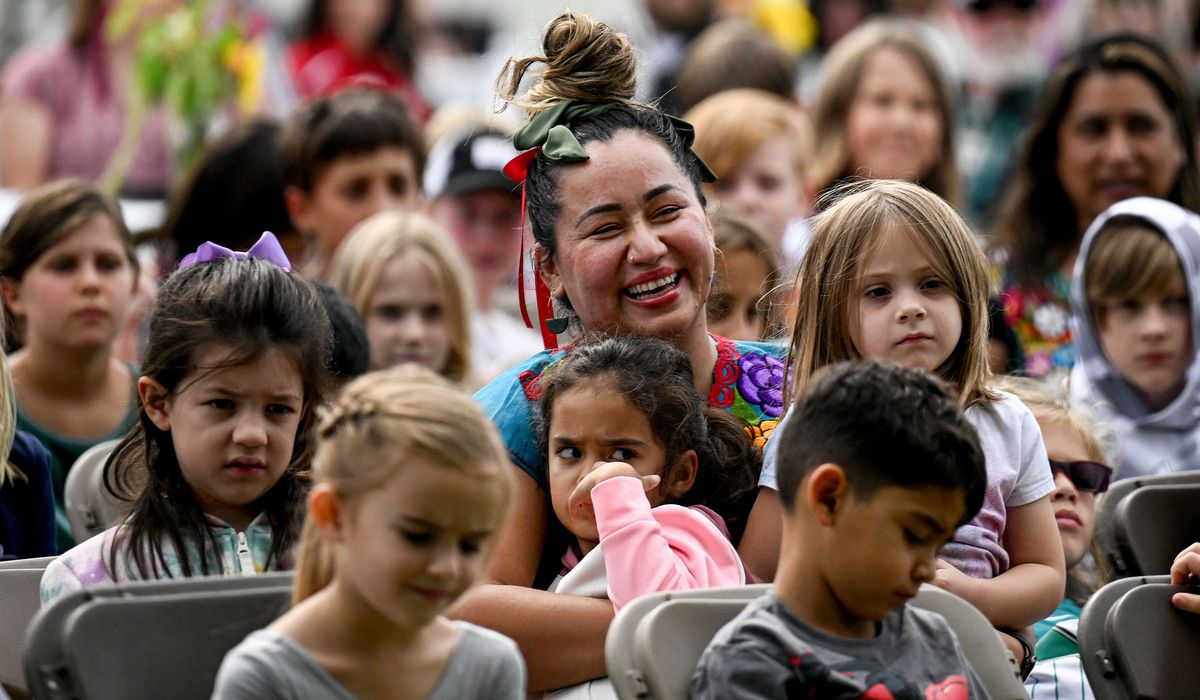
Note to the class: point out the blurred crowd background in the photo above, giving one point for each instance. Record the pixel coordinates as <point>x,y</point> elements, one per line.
<point>446,53</point>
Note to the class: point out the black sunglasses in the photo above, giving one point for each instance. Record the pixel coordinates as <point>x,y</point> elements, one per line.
<point>986,5</point>
<point>1087,476</point>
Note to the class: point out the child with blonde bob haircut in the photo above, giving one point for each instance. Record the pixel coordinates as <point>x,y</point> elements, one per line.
<point>852,233</point>
<point>875,71</point>
<point>412,483</point>
<point>758,144</point>
<point>893,273</point>
<point>402,272</point>
<point>1136,316</point>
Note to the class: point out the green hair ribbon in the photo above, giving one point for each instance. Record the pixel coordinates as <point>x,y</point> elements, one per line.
<point>550,131</point>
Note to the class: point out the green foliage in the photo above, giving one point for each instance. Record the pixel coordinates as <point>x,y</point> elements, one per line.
<point>180,55</point>
<point>183,51</point>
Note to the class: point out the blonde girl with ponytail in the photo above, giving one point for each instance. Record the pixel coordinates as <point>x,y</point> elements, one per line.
<point>411,483</point>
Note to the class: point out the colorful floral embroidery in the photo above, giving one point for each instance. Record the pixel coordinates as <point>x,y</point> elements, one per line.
<point>762,432</point>
<point>724,374</point>
<point>761,382</point>
<point>749,385</point>
<point>762,403</point>
<point>531,382</point>
<point>1040,318</point>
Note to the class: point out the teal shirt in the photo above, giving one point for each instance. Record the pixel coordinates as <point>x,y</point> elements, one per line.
<point>63,453</point>
<point>1056,635</point>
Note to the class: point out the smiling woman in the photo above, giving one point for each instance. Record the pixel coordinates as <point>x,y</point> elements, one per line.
<point>1116,121</point>
<point>635,253</point>
<point>623,246</point>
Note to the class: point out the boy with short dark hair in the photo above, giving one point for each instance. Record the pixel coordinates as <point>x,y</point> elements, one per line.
<point>347,156</point>
<point>877,469</point>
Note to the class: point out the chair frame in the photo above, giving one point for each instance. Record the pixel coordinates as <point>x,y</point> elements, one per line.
<point>1102,662</point>
<point>20,581</point>
<point>633,662</point>
<point>90,508</point>
<point>49,663</point>
<point>624,652</point>
<point>1106,537</point>
<point>1153,524</point>
<point>31,563</point>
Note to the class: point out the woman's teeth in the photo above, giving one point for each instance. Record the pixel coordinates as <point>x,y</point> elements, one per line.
<point>658,285</point>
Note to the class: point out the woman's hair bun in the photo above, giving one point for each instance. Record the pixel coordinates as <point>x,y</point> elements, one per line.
<point>585,59</point>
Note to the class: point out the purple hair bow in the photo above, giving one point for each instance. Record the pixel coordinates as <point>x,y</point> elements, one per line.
<point>267,248</point>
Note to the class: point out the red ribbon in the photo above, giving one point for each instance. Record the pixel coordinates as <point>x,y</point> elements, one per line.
<point>515,170</point>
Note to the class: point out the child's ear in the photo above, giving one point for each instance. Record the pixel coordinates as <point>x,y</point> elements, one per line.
<point>548,271</point>
<point>325,512</point>
<point>156,402</point>
<point>683,476</point>
<point>298,208</point>
<point>825,492</point>
<point>12,296</point>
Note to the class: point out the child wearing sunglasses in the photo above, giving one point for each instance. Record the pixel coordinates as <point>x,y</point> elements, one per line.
<point>1076,444</point>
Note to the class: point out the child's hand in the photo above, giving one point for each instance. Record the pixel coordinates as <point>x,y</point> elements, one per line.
<point>581,497</point>
<point>950,578</point>
<point>1186,566</point>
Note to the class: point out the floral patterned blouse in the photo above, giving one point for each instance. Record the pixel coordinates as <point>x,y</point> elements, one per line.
<point>1041,319</point>
<point>747,382</point>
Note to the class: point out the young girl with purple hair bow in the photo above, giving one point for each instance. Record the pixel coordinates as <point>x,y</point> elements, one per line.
<point>215,468</point>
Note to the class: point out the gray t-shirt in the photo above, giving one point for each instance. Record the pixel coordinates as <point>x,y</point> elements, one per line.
<point>268,665</point>
<point>767,652</point>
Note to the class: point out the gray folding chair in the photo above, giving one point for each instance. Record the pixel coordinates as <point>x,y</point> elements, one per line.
<point>34,563</point>
<point>1134,644</point>
<point>90,508</point>
<point>162,639</point>
<point>1153,524</point>
<point>993,663</point>
<point>655,642</point>
<point>19,602</point>
<point>1115,555</point>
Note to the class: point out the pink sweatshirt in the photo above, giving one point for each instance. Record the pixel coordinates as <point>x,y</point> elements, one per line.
<point>668,548</point>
